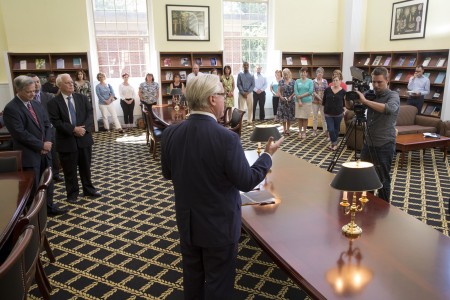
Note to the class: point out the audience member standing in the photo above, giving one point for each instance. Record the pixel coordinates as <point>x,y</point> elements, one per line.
<point>418,88</point>
<point>320,84</point>
<point>207,181</point>
<point>106,96</point>
<point>275,93</point>
<point>195,72</point>
<point>286,110</point>
<point>149,90</point>
<point>304,89</point>
<point>333,103</point>
<point>246,84</point>
<point>50,85</point>
<point>71,114</point>
<point>341,78</point>
<point>259,94</point>
<point>31,133</point>
<point>127,96</point>
<point>227,80</point>
<point>177,84</point>
<point>82,85</point>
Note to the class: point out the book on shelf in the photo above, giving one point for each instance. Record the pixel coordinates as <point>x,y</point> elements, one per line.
<point>169,75</point>
<point>40,63</point>
<point>401,60</point>
<point>377,60</point>
<point>183,75</point>
<point>60,63</point>
<point>398,76</point>
<point>436,112</point>
<point>440,62</point>
<point>23,64</point>
<point>213,61</point>
<point>439,78</point>
<point>289,61</point>
<point>429,109</point>
<point>257,198</point>
<point>411,62</point>
<point>387,61</point>
<point>426,61</point>
<point>184,61</point>
<point>424,106</point>
<point>411,74</point>
<point>436,94</point>
<point>199,61</point>
<point>427,74</point>
<point>303,61</point>
<point>167,62</point>
<point>77,62</point>
<point>367,61</point>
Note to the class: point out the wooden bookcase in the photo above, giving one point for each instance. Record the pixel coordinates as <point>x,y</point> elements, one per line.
<point>43,63</point>
<point>329,61</point>
<point>401,66</point>
<point>181,63</point>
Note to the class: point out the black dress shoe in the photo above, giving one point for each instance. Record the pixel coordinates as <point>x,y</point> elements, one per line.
<point>94,195</point>
<point>57,178</point>
<point>72,199</point>
<point>56,211</point>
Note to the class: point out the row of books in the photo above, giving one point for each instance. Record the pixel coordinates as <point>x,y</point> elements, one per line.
<point>185,61</point>
<point>40,63</point>
<point>401,61</point>
<point>303,61</point>
<point>438,80</point>
<point>431,109</point>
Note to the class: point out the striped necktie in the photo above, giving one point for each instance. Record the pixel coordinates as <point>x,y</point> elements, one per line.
<point>33,114</point>
<point>73,115</point>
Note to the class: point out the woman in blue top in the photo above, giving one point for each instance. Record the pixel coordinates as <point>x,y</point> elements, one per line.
<point>106,96</point>
<point>304,88</point>
<point>276,94</point>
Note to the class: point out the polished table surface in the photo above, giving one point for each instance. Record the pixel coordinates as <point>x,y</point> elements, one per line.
<point>406,258</point>
<point>15,188</point>
<point>168,115</point>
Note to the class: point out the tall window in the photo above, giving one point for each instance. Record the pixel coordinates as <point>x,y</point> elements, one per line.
<point>121,29</point>
<point>245,33</point>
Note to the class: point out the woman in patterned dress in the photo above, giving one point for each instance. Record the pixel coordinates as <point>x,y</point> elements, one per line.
<point>320,84</point>
<point>228,85</point>
<point>82,86</point>
<point>149,90</point>
<point>287,105</point>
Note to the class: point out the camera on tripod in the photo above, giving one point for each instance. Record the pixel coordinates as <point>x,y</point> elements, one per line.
<point>361,82</point>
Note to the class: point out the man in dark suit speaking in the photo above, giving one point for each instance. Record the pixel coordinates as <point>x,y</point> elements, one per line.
<point>208,168</point>
<point>71,114</point>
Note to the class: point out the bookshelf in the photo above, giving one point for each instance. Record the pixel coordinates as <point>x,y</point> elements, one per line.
<point>43,63</point>
<point>401,66</point>
<point>181,63</point>
<point>329,61</point>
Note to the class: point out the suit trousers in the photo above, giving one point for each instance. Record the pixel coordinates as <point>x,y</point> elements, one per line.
<point>69,162</point>
<point>261,100</point>
<point>249,101</point>
<point>208,273</point>
<point>55,159</point>
<point>38,170</point>
<point>417,102</point>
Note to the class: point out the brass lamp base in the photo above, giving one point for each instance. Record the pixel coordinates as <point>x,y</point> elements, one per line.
<point>351,230</point>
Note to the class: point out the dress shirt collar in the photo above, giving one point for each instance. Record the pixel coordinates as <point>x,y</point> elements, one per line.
<point>205,113</point>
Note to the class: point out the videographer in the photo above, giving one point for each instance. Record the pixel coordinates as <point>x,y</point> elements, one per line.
<point>418,88</point>
<point>381,119</point>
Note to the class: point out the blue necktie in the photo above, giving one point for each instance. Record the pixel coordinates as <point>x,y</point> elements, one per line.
<point>73,116</point>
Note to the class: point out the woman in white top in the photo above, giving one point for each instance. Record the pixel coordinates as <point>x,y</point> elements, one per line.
<point>127,95</point>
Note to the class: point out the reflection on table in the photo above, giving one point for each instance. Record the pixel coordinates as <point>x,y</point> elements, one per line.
<point>169,115</point>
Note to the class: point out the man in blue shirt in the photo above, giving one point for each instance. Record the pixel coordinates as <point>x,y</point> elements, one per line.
<point>259,94</point>
<point>246,84</point>
<point>418,88</point>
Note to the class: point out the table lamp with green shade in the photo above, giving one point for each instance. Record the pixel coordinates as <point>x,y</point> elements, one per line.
<point>262,133</point>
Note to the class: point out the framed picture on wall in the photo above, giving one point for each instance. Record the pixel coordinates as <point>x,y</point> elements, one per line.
<point>187,23</point>
<point>409,19</point>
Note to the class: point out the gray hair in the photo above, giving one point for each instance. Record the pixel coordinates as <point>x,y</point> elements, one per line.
<point>287,73</point>
<point>59,79</point>
<point>22,81</point>
<point>199,89</point>
<point>320,70</point>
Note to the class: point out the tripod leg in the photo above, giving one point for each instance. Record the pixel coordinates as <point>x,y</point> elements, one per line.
<point>341,146</point>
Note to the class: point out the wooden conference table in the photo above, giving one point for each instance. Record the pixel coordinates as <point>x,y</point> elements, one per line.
<point>168,115</point>
<point>15,188</point>
<point>402,257</point>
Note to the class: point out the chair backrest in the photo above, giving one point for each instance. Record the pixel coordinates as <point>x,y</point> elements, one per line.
<point>10,161</point>
<point>46,178</point>
<point>13,269</point>
<point>236,121</point>
<point>227,116</point>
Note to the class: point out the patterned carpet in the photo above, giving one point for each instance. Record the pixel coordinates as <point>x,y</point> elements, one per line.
<point>124,245</point>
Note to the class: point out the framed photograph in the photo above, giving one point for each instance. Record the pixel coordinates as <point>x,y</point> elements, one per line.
<point>409,19</point>
<point>187,23</point>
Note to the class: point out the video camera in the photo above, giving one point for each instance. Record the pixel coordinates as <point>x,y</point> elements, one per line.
<point>361,82</point>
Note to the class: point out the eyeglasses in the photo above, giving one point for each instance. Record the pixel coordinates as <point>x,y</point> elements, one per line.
<point>221,94</point>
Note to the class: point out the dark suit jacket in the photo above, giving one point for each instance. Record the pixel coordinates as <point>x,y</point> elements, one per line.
<point>45,99</point>
<point>208,167</point>
<point>27,135</point>
<point>66,141</point>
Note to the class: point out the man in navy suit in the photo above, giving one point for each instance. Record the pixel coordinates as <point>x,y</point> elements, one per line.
<point>208,168</point>
<point>31,133</point>
<point>71,114</point>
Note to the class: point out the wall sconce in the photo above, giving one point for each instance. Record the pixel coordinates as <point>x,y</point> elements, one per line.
<point>262,133</point>
<point>356,176</point>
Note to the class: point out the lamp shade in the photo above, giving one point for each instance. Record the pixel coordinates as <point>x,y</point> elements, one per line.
<point>262,133</point>
<point>356,176</point>
<point>175,92</point>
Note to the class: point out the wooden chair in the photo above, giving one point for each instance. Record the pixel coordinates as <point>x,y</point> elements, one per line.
<point>235,123</point>
<point>13,269</point>
<point>46,180</point>
<point>226,116</point>
<point>154,133</point>
<point>10,161</point>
